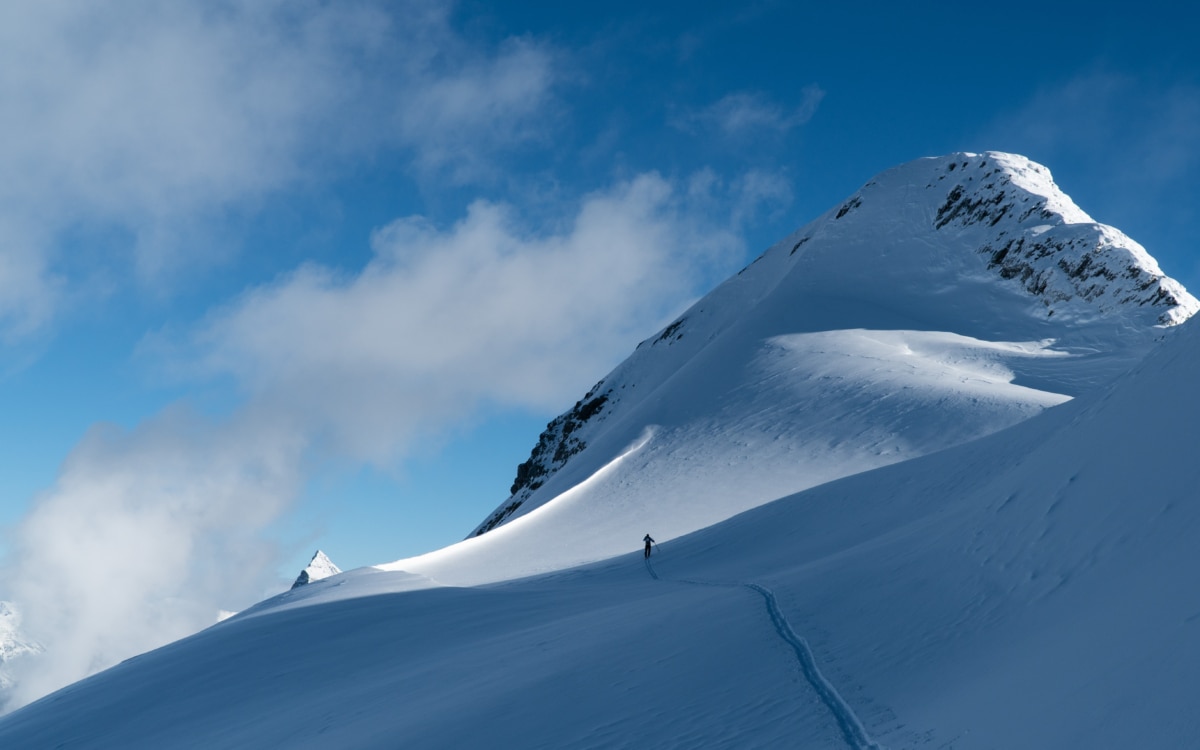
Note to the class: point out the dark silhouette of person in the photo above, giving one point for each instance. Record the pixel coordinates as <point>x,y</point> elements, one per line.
<point>648,542</point>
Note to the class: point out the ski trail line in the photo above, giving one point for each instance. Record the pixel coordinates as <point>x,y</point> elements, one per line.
<point>853,731</point>
<point>852,728</point>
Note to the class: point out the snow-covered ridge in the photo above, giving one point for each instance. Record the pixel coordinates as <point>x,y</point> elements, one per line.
<point>979,245</point>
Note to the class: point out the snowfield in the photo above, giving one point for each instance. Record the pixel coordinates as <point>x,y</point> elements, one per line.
<point>901,509</point>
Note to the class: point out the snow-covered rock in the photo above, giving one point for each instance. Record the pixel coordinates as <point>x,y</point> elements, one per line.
<point>319,567</point>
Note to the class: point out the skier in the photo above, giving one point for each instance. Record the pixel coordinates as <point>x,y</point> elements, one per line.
<point>648,542</point>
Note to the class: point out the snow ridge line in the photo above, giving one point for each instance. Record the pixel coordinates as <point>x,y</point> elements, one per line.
<point>852,728</point>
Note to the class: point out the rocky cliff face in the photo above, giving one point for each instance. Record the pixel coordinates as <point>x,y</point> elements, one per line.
<point>557,443</point>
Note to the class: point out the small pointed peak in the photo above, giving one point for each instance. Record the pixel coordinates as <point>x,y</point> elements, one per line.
<point>319,567</point>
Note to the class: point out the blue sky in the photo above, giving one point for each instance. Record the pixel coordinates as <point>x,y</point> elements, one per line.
<point>317,274</point>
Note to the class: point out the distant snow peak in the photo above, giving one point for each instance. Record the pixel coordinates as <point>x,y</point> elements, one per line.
<point>320,567</point>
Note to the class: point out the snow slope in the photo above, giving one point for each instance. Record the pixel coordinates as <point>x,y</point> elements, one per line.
<point>1030,589</point>
<point>929,555</point>
<point>949,298</point>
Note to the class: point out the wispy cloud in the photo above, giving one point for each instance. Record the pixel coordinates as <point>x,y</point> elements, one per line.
<point>156,119</point>
<point>747,113</point>
<point>485,311</point>
<point>454,122</point>
<point>1127,127</point>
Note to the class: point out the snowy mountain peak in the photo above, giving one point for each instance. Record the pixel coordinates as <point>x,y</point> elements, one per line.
<point>320,567</point>
<point>878,319</point>
<point>1021,228</point>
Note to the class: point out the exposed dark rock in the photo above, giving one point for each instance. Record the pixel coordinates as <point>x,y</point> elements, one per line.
<point>556,445</point>
<point>849,206</point>
<point>671,333</point>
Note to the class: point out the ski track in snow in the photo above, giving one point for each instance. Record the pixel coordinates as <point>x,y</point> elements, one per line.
<point>854,732</point>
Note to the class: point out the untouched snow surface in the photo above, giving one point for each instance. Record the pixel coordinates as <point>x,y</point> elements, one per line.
<point>874,531</point>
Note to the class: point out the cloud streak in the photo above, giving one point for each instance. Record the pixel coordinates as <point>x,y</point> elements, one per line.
<point>747,113</point>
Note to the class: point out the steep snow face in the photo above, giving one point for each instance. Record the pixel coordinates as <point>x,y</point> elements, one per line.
<point>948,298</point>
<point>318,568</point>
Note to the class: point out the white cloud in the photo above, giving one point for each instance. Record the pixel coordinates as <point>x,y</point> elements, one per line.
<point>497,102</point>
<point>144,538</point>
<point>746,113</point>
<point>156,119</point>
<point>443,320</point>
